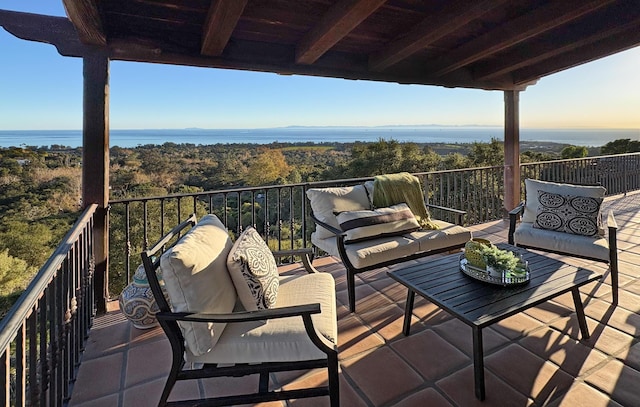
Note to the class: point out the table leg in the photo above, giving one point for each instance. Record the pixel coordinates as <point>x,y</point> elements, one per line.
<point>582,320</point>
<point>408,311</point>
<point>478,363</point>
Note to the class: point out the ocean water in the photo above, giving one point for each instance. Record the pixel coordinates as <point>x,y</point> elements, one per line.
<point>418,134</point>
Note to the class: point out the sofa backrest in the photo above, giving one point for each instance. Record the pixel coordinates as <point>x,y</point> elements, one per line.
<point>326,202</point>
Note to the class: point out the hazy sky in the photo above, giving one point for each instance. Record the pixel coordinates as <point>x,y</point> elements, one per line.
<point>39,89</point>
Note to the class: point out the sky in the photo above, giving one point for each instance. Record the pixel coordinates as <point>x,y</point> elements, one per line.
<point>41,90</point>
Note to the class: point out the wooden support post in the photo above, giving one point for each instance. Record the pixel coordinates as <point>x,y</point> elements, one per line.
<point>95,165</point>
<point>511,149</point>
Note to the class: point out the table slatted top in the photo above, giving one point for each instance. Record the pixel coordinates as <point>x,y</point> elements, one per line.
<point>481,304</point>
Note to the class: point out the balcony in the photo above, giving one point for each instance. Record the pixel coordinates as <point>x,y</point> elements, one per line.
<point>56,352</point>
<point>531,358</point>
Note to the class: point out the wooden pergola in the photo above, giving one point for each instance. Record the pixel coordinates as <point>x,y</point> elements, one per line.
<point>499,45</point>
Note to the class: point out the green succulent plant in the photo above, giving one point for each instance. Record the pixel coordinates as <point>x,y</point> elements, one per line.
<point>501,260</point>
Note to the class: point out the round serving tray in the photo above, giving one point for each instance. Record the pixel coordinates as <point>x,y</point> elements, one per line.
<point>483,275</point>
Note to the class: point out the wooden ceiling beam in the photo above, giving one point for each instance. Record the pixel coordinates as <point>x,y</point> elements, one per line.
<point>536,53</point>
<point>57,31</point>
<point>515,31</point>
<point>85,16</point>
<point>336,24</point>
<point>221,20</point>
<point>622,41</point>
<point>453,16</point>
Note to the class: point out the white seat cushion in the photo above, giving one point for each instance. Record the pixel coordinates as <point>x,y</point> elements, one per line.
<point>196,278</point>
<point>285,339</point>
<point>376,251</point>
<point>587,246</point>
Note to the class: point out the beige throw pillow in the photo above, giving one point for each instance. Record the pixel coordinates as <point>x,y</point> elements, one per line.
<point>326,202</point>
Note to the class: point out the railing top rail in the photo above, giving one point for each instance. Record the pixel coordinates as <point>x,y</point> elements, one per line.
<point>24,305</point>
<point>598,157</point>
<point>314,184</point>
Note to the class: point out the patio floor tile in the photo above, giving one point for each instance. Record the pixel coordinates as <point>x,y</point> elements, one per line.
<point>618,381</point>
<point>528,374</point>
<point>459,334</point>
<point>382,375</point>
<point>580,394</point>
<point>572,356</point>
<point>432,356</point>
<point>459,388</point>
<point>422,398</point>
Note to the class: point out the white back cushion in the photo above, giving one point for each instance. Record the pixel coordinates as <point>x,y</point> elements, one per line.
<point>533,186</point>
<point>196,278</point>
<point>325,202</point>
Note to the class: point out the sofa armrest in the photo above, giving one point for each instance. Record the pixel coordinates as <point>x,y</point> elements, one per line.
<point>330,228</point>
<point>514,217</point>
<point>459,214</point>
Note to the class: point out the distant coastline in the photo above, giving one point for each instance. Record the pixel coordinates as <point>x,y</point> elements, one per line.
<point>330,134</point>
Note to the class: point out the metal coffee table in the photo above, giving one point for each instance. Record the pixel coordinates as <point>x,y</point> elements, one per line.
<point>479,304</point>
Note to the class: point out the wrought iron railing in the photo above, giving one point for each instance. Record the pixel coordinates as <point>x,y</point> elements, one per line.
<point>43,334</point>
<point>281,213</point>
<point>617,173</point>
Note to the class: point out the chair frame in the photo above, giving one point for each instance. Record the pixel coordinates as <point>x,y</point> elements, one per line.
<point>169,322</point>
<point>612,226</point>
<point>352,270</point>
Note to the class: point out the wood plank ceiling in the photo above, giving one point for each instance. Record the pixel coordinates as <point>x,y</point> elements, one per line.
<point>484,44</point>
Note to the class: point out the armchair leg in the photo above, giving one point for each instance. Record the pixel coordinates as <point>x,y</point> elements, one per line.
<point>263,385</point>
<point>613,267</point>
<point>351,290</point>
<point>334,380</point>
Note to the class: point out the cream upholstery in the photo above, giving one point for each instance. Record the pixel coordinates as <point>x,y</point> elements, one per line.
<point>287,339</point>
<point>371,252</point>
<point>196,278</point>
<point>325,202</point>
<point>585,246</point>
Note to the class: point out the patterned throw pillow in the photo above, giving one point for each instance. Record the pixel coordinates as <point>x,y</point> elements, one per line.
<point>366,225</point>
<point>568,213</point>
<point>253,271</point>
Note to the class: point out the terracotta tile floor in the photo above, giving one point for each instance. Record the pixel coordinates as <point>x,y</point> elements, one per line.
<point>533,358</point>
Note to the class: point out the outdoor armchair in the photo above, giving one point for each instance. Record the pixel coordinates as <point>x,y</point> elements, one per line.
<point>229,313</point>
<point>566,219</point>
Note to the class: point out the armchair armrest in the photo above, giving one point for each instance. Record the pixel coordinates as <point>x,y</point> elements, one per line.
<point>459,214</point>
<point>304,311</point>
<point>611,221</point>
<point>243,316</point>
<point>514,216</point>
<point>306,254</point>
